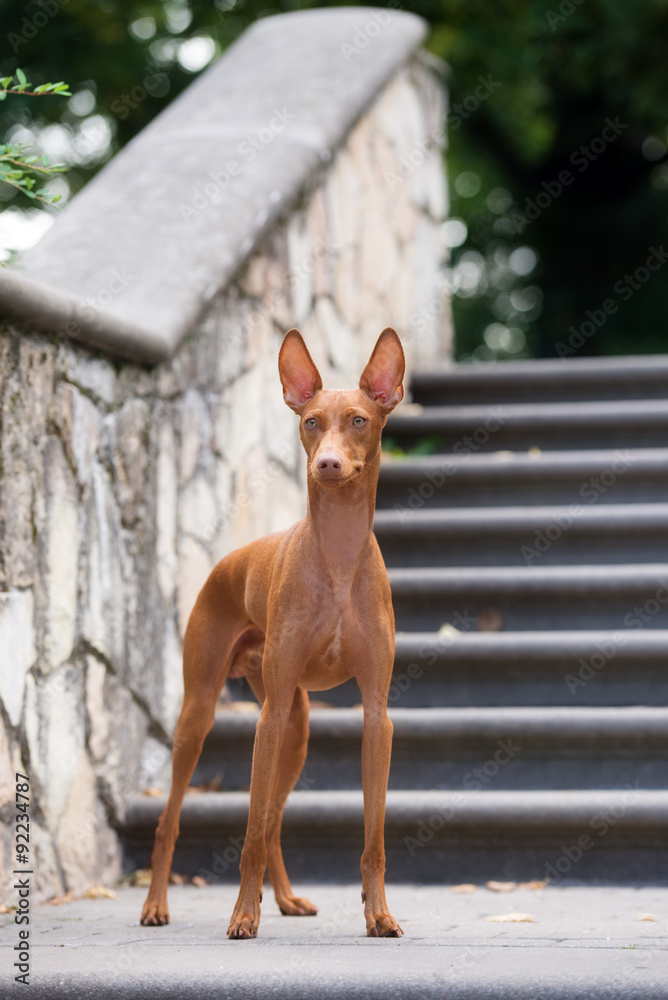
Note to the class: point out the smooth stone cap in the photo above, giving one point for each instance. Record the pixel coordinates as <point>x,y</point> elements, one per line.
<point>163,228</point>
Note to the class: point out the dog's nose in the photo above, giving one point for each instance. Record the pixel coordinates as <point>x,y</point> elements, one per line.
<point>329,463</point>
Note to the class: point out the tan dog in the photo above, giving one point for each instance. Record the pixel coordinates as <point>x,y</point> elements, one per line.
<point>314,601</point>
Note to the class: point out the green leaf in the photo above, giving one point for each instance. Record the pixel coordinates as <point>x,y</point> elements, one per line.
<point>29,193</point>
<point>56,198</point>
<point>21,77</point>
<point>2,95</point>
<point>6,81</point>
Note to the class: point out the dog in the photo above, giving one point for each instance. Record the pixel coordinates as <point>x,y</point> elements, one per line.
<point>314,603</point>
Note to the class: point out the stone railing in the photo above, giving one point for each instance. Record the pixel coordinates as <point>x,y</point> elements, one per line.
<point>143,432</point>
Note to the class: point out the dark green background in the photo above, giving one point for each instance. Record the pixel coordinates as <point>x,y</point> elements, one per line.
<point>561,70</point>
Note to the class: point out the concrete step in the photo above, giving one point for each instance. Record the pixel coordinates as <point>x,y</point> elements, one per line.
<point>523,536</point>
<point>469,748</point>
<point>584,942</point>
<point>642,377</point>
<point>531,668</point>
<point>520,426</point>
<point>531,597</point>
<point>480,479</point>
<point>618,835</point>
<point>467,668</point>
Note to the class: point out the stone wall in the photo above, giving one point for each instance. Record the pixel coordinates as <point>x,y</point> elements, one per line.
<point>122,485</point>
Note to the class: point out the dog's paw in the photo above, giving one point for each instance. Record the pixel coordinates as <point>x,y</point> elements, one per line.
<point>154,914</point>
<point>243,926</point>
<point>295,906</point>
<point>383,925</point>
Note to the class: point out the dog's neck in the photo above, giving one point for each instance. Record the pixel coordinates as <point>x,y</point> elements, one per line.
<point>341,518</point>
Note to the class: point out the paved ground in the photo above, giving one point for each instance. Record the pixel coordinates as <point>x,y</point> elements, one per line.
<point>583,942</point>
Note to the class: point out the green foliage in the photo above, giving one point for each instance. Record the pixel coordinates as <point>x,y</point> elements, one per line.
<point>25,172</point>
<point>18,168</point>
<point>429,445</point>
<point>560,68</point>
<point>7,86</point>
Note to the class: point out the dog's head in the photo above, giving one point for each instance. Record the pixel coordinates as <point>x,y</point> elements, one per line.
<point>340,429</point>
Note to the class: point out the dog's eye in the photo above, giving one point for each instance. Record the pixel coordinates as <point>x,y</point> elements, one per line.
<point>311,423</point>
<point>359,421</point>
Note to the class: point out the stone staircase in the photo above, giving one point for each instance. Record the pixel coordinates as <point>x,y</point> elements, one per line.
<point>528,556</point>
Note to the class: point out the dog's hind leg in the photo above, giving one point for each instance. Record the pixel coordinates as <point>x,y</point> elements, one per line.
<point>290,764</point>
<point>209,651</point>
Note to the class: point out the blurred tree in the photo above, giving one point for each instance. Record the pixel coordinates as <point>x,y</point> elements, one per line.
<point>557,159</point>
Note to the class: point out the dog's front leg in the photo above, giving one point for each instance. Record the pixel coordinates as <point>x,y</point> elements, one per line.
<point>268,739</point>
<point>376,752</point>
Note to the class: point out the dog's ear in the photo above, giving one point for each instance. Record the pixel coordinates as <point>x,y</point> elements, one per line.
<point>383,376</point>
<point>299,376</point>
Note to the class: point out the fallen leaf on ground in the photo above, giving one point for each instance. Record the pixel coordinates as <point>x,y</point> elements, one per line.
<point>6,909</point>
<point>199,881</point>
<point>464,887</point>
<point>511,918</point>
<point>533,885</point>
<point>176,879</point>
<point>154,793</point>
<point>142,877</point>
<point>534,452</point>
<point>99,892</point>
<point>243,706</point>
<point>448,629</point>
<point>645,916</point>
<point>501,886</point>
<point>212,785</point>
<point>59,900</point>
<point>489,620</point>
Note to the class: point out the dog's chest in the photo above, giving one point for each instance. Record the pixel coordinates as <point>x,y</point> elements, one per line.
<point>334,648</point>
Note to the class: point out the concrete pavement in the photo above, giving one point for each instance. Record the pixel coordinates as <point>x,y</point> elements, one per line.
<point>584,942</point>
